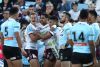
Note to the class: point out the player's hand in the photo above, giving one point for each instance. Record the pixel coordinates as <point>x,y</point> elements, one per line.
<point>53,27</point>
<point>23,52</point>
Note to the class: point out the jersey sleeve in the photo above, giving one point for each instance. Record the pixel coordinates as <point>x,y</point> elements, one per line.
<point>16,27</point>
<point>30,30</point>
<point>91,34</point>
<point>96,30</point>
<point>69,33</point>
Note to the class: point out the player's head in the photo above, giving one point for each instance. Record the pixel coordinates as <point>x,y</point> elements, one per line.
<point>83,14</point>
<point>53,20</point>
<point>33,17</point>
<point>14,12</point>
<point>65,17</point>
<point>92,14</point>
<point>43,18</point>
<point>31,9</point>
<point>6,14</point>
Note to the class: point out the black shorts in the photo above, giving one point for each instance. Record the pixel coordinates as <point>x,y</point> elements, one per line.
<point>65,54</point>
<point>31,54</point>
<point>49,55</point>
<point>82,58</point>
<point>12,53</point>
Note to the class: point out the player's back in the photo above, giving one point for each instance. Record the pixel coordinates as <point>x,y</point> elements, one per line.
<point>8,28</point>
<point>80,33</point>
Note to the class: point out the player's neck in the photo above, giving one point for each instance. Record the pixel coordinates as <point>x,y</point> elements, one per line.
<point>83,20</point>
<point>13,17</point>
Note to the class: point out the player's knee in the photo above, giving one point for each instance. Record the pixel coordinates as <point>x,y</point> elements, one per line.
<point>33,61</point>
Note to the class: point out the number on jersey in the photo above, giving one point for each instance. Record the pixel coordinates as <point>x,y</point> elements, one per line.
<point>80,37</point>
<point>6,31</point>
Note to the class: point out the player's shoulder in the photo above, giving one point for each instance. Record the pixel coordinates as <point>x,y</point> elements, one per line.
<point>69,23</point>
<point>31,26</point>
<point>95,24</point>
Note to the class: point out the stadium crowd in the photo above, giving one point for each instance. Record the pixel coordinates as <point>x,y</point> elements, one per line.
<point>49,33</point>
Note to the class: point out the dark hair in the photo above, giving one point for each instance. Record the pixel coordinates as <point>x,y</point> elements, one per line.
<point>23,21</point>
<point>5,10</point>
<point>83,14</point>
<point>14,10</point>
<point>67,14</point>
<point>93,12</point>
<point>31,6</point>
<point>74,3</point>
<point>53,18</point>
<point>44,14</point>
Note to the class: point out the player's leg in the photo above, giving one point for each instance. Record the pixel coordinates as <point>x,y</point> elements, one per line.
<point>76,65</point>
<point>17,63</point>
<point>65,57</point>
<point>98,65</point>
<point>16,57</point>
<point>8,53</point>
<point>32,56</point>
<point>9,63</point>
<point>34,63</point>
<point>47,63</point>
<point>50,59</point>
<point>65,64</point>
<point>58,63</point>
<point>76,60</point>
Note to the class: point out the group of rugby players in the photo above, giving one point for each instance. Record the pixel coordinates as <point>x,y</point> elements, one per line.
<point>66,44</point>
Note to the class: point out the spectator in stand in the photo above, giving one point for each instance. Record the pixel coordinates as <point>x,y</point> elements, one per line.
<point>74,12</point>
<point>50,10</point>
<point>55,3</point>
<point>64,6</point>
<point>82,5</point>
<point>5,16</point>
<point>5,5</point>
<point>40,6</point>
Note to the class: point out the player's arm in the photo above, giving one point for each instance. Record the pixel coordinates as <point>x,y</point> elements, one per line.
<point>18,39</point>
<point>17,35</point>
<point>33,34</point>
<point>70,42</point>
<point>2,38</point>
<point>47,35</point>
<point>69,35</point>
<point>92,44</point>
<point>34,37</point>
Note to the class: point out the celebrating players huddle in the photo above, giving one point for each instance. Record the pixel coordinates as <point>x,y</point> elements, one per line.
<point>66,44</point>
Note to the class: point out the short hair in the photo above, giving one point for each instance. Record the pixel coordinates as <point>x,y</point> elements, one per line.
<point>93,12</point>
<point>67,14</point>
<point>74,3</point>
<point>13,10</point>
<point>53,18</point>
<point>83,14</point>
<point>31,5</point>
<point>5,11</point>
<point>44,14</point>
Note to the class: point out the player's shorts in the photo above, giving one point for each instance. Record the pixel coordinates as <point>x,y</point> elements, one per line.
<point>49,55</point>
<point>65,54</point>
<point>82,58</point>
<point>12,53</point>
<point>31,54</point>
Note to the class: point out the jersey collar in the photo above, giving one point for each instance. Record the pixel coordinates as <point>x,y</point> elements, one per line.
<point>82,22</point>
<point>11,19</point>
